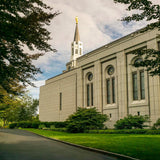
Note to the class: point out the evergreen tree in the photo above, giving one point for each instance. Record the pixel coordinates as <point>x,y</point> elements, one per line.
<point>148,12</point>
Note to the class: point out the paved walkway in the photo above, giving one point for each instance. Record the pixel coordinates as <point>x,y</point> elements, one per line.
<point>21,145</point>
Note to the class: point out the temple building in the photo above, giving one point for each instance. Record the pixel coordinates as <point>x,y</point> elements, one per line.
<point>106,79</point>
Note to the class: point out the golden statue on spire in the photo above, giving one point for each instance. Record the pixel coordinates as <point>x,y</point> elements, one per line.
<point>76,19</point>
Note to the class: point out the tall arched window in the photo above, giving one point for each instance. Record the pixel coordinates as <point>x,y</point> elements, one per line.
<point>89,89</point>
<point>138,86</point>
<point>110,85</point>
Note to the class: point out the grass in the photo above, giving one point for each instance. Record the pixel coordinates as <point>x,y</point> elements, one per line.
<point>144,147</point>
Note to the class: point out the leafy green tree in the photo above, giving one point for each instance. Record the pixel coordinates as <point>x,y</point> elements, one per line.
<point>22,24</point>
<point>19,109</point>
<point>147,11</point>
<point>7,106</point>
<point>130,122</point>
<point>85,119</point>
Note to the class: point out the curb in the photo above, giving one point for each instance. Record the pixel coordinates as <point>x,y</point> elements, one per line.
<point>116,155</point>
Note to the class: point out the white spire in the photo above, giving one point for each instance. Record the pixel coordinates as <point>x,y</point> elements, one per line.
<point>77,45</point>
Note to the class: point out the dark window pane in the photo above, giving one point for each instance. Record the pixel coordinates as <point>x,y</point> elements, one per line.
<point>142,87</point>
<point>135,87</point>
<point>159,46</point>
<point>90,76</point>
<point>88,95</point>
<point>108,85</point>
<point>91,94</point>
<point>113,90</point>
<point>60,98</point>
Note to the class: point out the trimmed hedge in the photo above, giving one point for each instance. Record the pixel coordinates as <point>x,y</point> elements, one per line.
<point>36,124</point>
<point>126,131</point>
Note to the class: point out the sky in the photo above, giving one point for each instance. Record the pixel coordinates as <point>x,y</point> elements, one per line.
<point>99,24</point>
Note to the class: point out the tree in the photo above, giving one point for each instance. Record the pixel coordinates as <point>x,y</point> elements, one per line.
<point>85,119</point>
<point>8,103</point>
<point>22,24</point>
<point>16,109</point>
<point>148,12</point>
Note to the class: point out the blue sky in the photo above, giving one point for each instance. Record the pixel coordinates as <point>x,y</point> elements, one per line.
<point>99,24</point>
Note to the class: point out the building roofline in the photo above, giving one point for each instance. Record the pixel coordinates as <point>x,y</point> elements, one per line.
<point>132,34</point>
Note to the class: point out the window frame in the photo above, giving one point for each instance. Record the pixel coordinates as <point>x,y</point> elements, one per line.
<point>111,89</point>
<point>89,90</point>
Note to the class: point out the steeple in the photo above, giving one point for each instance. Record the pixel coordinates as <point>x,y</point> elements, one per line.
<point>76,46</point>
<point>76,35</point>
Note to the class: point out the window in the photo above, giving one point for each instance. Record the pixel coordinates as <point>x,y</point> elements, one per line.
<point>138,85</point>
<point>89,87</point>
<point>135,87</point>
<point>76,51</point>
<point>88,95</point>
<point>80,51</point>
<point>60,99</point>
<point>110,86</point>
<point>110,70</point>
<point>159,45</point>
<point>69,68</point>
<point>90,76</point>
<point>91,94</point>
<point>108,91</point>
<point>138,113</point>
<point>113,90</point>
<point>72,51</point>
<point>142,89</point>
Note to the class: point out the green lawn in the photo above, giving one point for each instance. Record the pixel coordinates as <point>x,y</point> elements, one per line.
<point>145,147</point>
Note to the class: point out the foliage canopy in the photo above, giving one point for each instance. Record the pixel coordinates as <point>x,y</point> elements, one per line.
<point>22,24</point>
<point>148,11</point>
<point>16,109</point>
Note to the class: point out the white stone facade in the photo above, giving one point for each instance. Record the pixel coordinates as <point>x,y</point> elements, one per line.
<point>110,88</point>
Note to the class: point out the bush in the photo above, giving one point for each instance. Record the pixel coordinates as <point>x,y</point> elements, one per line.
<point>24,124</point>
<point>35,124</point>
<point>52,127</point>
<point>85,119</point>
<point>126,131</point>
<point>157,124</point>
<point>131,122</point>
<point>42,126</point>
<point>12,125</point>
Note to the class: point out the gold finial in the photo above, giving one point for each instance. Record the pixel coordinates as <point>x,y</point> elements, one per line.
<point>76,19</point>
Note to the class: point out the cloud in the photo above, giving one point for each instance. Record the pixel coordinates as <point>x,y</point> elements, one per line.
<point>34,91</point>
<point>99,24</point>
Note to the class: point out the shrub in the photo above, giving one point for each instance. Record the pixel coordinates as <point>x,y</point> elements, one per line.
<point>42,126</point>
<point>56,124</point>
<point>35,124</point>
<point>60,124</point>
<point>157,124</point>
<point>24,124</point>
<point>12,125</point>
<point>126,131</point>
<point>84,120</point>
<point>131,122</point>
<point>52,127</point>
